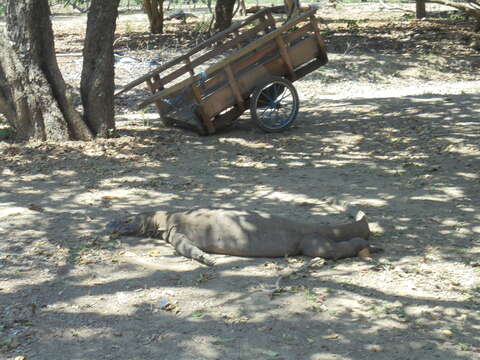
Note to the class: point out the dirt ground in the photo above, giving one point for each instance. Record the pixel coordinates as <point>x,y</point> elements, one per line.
<point>390,126</point>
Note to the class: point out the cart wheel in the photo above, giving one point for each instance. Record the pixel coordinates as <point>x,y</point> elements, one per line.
<point>274,105</point>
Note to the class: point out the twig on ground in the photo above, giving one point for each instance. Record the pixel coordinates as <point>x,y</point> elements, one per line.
<point>277,287</point>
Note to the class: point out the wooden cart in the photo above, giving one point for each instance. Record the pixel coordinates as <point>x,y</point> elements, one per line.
<point>259,64</point>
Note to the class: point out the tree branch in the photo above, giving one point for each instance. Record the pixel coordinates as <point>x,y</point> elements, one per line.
<point>470,9</point>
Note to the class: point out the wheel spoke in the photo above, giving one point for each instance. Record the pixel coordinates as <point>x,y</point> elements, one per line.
<point>265,95</point>
<point>287,94</point>
<point>266,108</point>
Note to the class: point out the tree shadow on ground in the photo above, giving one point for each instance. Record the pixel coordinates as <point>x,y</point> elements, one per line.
<point>408,162</point>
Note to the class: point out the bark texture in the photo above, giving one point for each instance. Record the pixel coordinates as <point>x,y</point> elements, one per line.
<point>223,14</point>
<point>32,90</point>
<point>154,10</point>
<point>97,84</point>
<point>421,11</point>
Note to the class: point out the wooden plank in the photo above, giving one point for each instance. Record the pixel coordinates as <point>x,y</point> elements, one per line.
<point>156,84</point>
<point>228,117</point>
<point>189,66</point>
<point>321,42</point>
<point>205,119</point>
<point>214,68</point>
<point>237,39</point>
<point>286,58</point>
<point>195,50</point>
<point>308,68</point>
<point>234,86</point>
<point>152,89</point>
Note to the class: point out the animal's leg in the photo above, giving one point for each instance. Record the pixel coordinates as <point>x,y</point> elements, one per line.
<point>184,247</point>
<point>334,250</point>
<point>357,229</point>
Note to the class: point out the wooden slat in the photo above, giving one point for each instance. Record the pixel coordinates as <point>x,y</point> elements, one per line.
<point>234,86</point>
<point>189,66</point>
<point>152,89</point>
<point>205,119</point>
<point>157,84</point>
<point>237,39</point>
<point>214,68</point>
<point>321,42</point>
<point>285,56</point>
<point>308,68</point>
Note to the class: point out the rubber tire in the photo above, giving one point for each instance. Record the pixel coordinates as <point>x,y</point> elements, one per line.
<point>255,99</point>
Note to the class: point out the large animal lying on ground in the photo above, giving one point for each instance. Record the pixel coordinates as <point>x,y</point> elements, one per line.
<point>195,233</point>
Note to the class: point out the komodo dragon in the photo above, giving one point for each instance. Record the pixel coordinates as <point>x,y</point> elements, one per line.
<point>195,233</point>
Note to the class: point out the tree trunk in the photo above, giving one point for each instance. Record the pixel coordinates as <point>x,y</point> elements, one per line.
<point>154,10</point>
<point>421,11</point>
<point>32,90</point>
<point>97,84</point>
<point>223,14</point>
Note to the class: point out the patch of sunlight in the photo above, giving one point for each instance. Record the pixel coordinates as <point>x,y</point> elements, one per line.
<point>371,202</point>
<point>437,198</point>
<point>327,356</point>
<point>297,164</point>
<point>226,177</point>
<point>449,222</point>
<point>468,175</point>
<point>329,162</point>
<point>453,192</point>
<point>136,116</point>
<point>465,149</point>
<point>286,197</point>
<point>246,143</point>
<point>397,172</point>
<point>9,211</point>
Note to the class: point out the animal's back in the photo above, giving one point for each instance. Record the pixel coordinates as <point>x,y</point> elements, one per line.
<point>236,232</point>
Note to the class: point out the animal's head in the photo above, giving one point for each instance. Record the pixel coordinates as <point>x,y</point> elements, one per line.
<point>128,226</point>
<point>149,224</point>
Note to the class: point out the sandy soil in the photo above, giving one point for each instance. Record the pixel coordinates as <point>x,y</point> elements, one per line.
<point>391,125</point>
